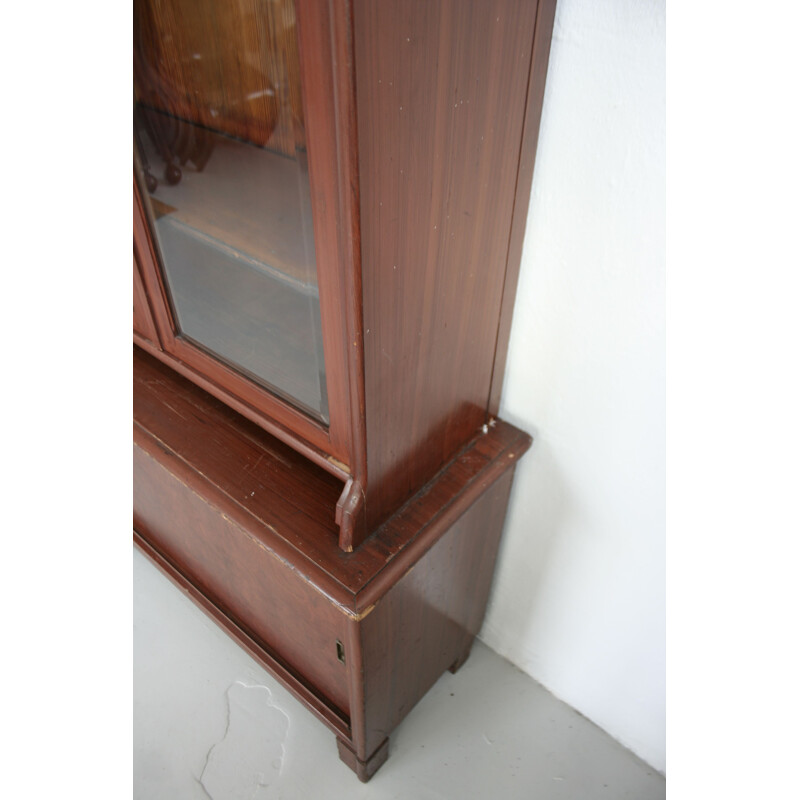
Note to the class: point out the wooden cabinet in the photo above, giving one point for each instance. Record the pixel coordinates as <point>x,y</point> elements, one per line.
<point>329,205</point>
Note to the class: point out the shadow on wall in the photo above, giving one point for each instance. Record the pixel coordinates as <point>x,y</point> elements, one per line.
<point>538,508</point>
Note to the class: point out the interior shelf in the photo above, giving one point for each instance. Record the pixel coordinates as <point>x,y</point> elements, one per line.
<point>253,199</point>
<point>258,320</point>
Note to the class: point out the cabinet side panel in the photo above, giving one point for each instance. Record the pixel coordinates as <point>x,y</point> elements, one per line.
<point>441,89</point>
<point>427,620</point>
<point>545,19</point>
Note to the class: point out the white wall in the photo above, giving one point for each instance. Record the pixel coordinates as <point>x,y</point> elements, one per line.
<point>579,595</point>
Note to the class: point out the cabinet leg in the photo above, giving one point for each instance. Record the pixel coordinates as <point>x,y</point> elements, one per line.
<point>364,769</point>
<point>461,660</point>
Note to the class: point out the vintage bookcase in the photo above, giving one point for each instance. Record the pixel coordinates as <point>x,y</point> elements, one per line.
<point>330,198</point>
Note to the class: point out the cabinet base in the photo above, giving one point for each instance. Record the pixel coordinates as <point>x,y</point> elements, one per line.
<point>363,769</point>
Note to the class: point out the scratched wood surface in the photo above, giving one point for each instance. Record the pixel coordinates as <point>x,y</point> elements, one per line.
<point>288,501</point>
<point>245,525</point>
<point>441,89</point>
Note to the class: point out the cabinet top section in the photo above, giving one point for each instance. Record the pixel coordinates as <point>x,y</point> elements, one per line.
<point>376,345</point>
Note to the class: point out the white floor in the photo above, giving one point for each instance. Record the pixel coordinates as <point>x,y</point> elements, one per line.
<point>209,722</point>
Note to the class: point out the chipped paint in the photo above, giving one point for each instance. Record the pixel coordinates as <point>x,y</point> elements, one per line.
<point>339,464</point>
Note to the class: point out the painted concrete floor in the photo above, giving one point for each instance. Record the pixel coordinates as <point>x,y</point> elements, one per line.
<point>209,722</point>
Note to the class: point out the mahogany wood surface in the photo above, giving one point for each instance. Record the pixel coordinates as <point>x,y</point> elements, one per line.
<point>236,570</point>
<point>245,525</point>
<point>354,559</point>
<point>422,119</point>
<point>265,485</point>
<point>441,89</point>
<point>251,413</point>
<point>363,769</point>
<point>143,324</point>
<point>352,517</point>
<point>327,76</point>
<point>426,622</point>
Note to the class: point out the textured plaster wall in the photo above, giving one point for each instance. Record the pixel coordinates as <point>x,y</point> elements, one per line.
<point>579,595</point>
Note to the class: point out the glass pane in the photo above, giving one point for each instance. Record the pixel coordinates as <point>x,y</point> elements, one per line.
<point>220,152</point>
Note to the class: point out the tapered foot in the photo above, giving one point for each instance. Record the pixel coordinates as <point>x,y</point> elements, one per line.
<point>364,769</point>
<point>461,660</point>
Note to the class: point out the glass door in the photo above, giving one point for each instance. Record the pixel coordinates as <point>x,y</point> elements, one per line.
<point>220,156</point>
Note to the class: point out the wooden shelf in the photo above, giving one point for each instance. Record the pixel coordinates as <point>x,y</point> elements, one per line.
<point>254,200</point>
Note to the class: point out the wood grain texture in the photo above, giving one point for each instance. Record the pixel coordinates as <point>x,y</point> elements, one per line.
<point>419,143</point>
<point>441,90</point>
<point>353,523</point>
<point>252,413</point>
<point>233,566</point>
<point>420,120</point>
<point>261,482</point>
<point>143,324</point>
<point>427,620</point>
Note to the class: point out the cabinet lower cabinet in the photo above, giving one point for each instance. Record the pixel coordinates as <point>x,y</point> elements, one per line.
<point>245,526</point>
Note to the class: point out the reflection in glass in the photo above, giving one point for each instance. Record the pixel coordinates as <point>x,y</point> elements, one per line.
<point>220,144</point>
